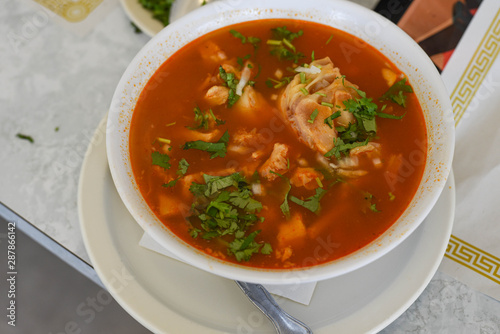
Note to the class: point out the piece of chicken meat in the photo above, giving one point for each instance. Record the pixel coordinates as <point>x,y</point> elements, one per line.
<point>323,87</point>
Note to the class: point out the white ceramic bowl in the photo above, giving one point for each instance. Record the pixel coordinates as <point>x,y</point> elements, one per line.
<point>346,16</point>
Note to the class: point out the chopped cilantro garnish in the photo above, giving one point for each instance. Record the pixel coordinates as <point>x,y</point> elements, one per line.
<point>329,39</point>
<point>229,211</point>
<point>160,159</point>
<point>266,249</point>
<point>313,116</point>
<point>341,147</point>
<point>304,91</point>
<point>243,200</point>
<point>327,104</point>
<point>282,46</point>
<point>391,197</point>
<point>389,116</point>
<point>159,8</point>
<point>311,203</point>
<point>252,40</point>
<point>238,35</point>
<point>329,119</point>
<point>25,137</point>
<point>396,93</point>
<point>278,83</point>
<point>214,184</point>
<point>302,76</point>
<point>231,82</point>
<point>218,148</point>
<point>285,207</point>
<point>244,248</point>
<point>373,206</point>
<point>182,167</point>
<point>194,232</point>
<point>202,119</point>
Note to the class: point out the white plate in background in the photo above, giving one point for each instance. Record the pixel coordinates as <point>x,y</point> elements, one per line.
<point>144,20</point>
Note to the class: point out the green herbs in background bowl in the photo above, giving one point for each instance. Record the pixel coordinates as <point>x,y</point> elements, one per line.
<point>159,8</point>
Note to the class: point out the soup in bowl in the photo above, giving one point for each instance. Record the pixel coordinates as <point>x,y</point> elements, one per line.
<point>283,142</point>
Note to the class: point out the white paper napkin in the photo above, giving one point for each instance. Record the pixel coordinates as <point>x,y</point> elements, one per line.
<point>472,77</point>
<point>301,293</point>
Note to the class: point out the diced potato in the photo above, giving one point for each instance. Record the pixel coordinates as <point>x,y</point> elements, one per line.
<point>389,76</point>
<point>169,206</point>
<point>291,231</point>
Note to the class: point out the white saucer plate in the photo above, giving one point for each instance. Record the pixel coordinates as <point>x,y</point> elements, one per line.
<point>168,296</point>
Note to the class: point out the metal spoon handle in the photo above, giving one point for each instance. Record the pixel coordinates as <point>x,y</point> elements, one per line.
<point>282,321</point>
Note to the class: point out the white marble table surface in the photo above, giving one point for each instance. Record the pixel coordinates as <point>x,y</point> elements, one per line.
<point>56,86</point>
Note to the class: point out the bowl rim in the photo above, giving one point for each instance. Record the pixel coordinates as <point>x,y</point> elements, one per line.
<point>341,15</point>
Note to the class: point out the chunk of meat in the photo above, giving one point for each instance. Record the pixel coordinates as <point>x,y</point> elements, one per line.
<point>277,162</point>
<point>306,177</point>
<point>371,151</point>
<point>217,95</point>
<point>251,143</point>
<point>284,253</point>
<point>193,135</point>
<point>332,89</point>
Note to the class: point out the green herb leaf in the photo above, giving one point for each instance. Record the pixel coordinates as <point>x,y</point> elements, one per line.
<point>313,116</point>
<point>285,207</point>
<point>396,93</point>
<point>252,40</point>
<point>243,249</point>
<point>243,200</point>
<point>281,44</point>
<point>160,159</point>
<point>219,148</point>
<point>159,8</point>
<point>272,83</point>
<point>25,137</point>
<point>231,82</point>
<point>311,203</point>
<point>329,119</point>
<point>341,147</point>
<point>389,116</point>
<point>266,249</point>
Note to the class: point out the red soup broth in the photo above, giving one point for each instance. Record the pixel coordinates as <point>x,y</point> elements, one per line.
<point>312,209</point>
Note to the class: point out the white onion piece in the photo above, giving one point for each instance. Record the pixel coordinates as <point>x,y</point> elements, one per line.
<point>309,70</point>
<point>256,188</point>
<point>245,76</point>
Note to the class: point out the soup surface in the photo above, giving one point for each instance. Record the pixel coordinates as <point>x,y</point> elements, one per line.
<point>278,143</point>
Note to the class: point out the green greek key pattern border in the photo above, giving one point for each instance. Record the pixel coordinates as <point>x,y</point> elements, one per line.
<point>477,69</point>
